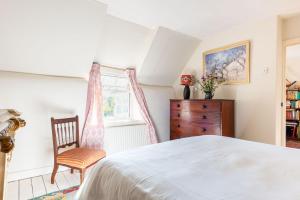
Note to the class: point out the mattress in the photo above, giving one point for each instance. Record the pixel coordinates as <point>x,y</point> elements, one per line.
<point>197,168</point>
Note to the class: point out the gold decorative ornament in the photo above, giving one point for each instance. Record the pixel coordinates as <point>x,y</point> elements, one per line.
<point>9,124</point>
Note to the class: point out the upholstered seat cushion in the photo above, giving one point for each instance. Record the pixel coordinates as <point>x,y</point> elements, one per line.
<point>80,157</point>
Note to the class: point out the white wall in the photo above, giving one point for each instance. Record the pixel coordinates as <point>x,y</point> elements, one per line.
<point>55,37</point>
<point>41,97</point>
<point>166,57</point>
<point>291,27</point>
<point>123,43</point>
<point>158,100</point>
<point>291,30</point>
<point>36,40</point>
<point>293,70</point>
<point>254,102</point>
<point>50,37</point>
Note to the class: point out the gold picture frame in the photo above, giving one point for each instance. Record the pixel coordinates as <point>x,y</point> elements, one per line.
<point>234,57</point>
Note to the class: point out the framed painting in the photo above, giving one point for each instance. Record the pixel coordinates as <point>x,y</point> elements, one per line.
<point>230,63</point>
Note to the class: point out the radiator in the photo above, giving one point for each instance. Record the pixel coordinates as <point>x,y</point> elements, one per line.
<point>117,139</point>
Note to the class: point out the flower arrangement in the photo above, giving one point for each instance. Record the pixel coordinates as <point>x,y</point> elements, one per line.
<point>209,83</point>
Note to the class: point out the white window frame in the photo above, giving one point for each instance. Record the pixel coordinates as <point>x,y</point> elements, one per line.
<point>133,118</point>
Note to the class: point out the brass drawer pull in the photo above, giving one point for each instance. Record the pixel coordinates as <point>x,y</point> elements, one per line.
<point>178,105</point>
<point>178,125</point>
<point>204,106</point>
<point>204,117</point>
<point>204,129</point>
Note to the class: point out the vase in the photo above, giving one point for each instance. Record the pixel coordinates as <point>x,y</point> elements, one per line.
<point>186,92</point>
<point>208,95</point>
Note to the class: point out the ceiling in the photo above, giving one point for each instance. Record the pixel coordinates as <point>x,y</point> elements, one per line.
<point>198,18</point>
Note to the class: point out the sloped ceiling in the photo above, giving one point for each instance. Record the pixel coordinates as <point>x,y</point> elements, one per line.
<point>122,43</point>
<point>199,18</point>
<point>63,37</point>
<point>167,56</point>
<point>58,37</point>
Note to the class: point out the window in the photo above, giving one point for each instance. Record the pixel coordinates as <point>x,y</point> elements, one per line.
<point>119,104</point>
<point>116,97</point>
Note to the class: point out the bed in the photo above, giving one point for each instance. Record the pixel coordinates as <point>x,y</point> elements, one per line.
<point>202,168</point>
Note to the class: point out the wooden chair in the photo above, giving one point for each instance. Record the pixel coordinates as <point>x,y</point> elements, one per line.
<point>65,132</point>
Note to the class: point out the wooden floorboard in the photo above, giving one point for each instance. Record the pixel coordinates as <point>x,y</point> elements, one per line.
<point>62,182</point>
<point>38,186</point>
<point>49,187</point>
<point>25,189</point>
<point>76,178</point>
<point>73,179</point>
<point>12,192</point>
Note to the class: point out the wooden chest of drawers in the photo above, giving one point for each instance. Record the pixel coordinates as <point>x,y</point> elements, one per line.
<point>201,117</point>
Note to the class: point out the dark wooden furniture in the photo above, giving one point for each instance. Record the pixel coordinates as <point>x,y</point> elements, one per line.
<point>201,117</point>
<point>292,117</point>
<point>65,133</point>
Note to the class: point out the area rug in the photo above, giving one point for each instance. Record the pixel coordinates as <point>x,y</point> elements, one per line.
<point>59,195</point>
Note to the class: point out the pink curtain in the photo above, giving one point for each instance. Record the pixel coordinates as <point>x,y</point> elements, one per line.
<point>139,94</point>
<point>93,131</point>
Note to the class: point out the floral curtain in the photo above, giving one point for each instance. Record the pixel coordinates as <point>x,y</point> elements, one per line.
<point>93,129</point>
<point>139,94</point>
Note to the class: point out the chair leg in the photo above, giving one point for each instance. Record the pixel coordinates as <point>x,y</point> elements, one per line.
<point>72,171</point>
<point>55,168</point>
<point>82,172</point>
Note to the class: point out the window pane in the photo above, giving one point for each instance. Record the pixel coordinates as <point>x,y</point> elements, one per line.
<point>115,81</point>
<point>116,97</point>
<point>116,105</point>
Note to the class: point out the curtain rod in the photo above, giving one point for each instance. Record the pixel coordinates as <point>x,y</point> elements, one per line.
<point>110,67</point>
<point>77,77</point>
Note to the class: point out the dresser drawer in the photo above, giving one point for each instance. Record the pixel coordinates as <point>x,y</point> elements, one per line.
<point>196,106</point>
<point>185,129</point>
<point>200,117</point>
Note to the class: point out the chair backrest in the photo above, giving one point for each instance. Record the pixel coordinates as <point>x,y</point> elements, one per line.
<point>65,132</point>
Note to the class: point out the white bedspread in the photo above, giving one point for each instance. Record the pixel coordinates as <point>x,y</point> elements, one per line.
<point>202,168</point>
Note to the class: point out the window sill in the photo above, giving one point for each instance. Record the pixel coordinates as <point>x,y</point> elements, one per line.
<point>123,123</point>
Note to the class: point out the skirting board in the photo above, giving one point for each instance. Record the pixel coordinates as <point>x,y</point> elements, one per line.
<point>14,176</point>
